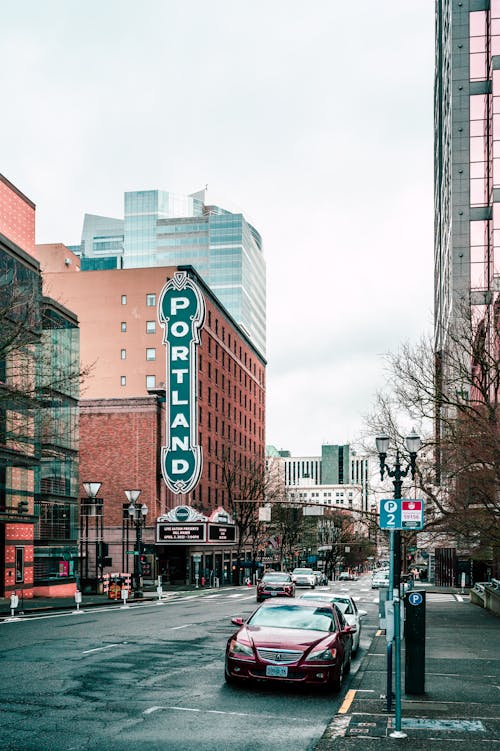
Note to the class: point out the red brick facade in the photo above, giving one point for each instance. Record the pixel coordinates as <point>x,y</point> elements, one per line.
<point>17,216</point>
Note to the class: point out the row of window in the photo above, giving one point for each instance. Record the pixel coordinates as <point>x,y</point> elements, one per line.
<point>150,381</point>
<point>150,299</point>
<point>150,327</point>
<point>150,353</point>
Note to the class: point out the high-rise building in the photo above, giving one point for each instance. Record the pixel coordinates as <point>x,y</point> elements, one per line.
<point>330,473</point>
<point>160,228</point>
<point>467,159</point>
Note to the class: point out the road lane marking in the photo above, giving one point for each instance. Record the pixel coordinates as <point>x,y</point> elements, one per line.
<point>176,628</point>
<point>349,698</point>
<point>175,708</point>
<point>100,649</point>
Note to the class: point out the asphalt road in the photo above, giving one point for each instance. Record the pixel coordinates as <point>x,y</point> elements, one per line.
<point>150,676</point>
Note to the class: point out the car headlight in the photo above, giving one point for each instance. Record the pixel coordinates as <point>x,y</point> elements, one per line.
<point>240,650</point>
<point>322,655</point>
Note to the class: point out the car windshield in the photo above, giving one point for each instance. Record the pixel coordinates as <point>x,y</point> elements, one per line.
<point>292,616</point>
<point>276,577</point>
<point>343,604</point>
<point>303,571</point>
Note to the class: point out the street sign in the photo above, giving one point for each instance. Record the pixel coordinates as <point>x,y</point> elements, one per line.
<point>415,598</point>
<point>401,513</point>
<point>132,552</point>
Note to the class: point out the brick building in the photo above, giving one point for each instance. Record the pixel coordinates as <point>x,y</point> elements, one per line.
<point>122,414</point>
<point>38,409</point>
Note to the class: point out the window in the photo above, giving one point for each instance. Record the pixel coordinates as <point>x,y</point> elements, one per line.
<point>19,564</point>
<point>123,380</point>
<point>150,381</point>
<point>124,325</point>
<point>124,299</point>
<point>123,354</point>
<point>151,300</point>
<point>150,327</point>
<point>151,353</point>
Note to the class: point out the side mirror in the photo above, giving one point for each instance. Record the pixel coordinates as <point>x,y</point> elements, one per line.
<point>350,629</point>
<point>362,613</point>
<point>237,621</point>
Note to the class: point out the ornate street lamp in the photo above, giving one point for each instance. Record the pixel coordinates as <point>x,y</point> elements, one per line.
<point>412,443</point>
<point>91,506</point>
<point>137,513</point>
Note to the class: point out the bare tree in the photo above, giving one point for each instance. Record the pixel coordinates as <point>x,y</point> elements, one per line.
<point>249,486</point>
<point>452,398</point>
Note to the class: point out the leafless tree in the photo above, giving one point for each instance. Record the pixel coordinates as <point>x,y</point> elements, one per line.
<point>452,397</point>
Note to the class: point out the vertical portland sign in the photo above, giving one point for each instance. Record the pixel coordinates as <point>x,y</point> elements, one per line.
<point>181,312</point>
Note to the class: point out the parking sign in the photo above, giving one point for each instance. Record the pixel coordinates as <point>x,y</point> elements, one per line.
<point>401,513</point>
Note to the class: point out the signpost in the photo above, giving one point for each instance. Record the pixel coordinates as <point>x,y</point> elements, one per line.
<point>398,514</point>
<point>402,514</point>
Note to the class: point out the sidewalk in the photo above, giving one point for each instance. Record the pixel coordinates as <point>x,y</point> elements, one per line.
<point>43,604</point>
<point>461,704</point>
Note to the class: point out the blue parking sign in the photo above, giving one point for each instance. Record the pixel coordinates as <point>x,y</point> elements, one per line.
<point>390,514</point>
<point>415,598</point>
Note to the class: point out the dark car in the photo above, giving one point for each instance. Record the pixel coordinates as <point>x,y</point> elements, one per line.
<point>275,584</point>
<point>291,641</point>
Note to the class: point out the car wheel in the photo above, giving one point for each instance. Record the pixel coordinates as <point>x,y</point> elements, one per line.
<point>355,645</point>
<point>313,586</point>
<point>336,684</point>
<point>259,599</point>
<point>347,666</point>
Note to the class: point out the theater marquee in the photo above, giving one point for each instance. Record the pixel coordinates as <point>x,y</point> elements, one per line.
<point>185,525</point>
<point>181,312</point>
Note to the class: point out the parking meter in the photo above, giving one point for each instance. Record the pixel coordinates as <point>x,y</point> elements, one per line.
<point>14,602</point>
<point>415,643</point>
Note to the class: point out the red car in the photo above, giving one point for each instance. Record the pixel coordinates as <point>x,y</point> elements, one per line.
<point>291,641</point>
<point>275,584</point>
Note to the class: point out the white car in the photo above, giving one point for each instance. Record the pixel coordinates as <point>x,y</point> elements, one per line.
<point>304,577</point>
<point>380,579</point>
<point>347,607</point>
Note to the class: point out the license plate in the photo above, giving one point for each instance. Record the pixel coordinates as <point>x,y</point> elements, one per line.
<point>273,594</point>
<point>276,671</point>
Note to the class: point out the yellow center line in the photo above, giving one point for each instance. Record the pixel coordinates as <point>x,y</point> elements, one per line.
<point>349,698</point>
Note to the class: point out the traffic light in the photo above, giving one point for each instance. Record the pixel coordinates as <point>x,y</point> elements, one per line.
<point>22,507</point>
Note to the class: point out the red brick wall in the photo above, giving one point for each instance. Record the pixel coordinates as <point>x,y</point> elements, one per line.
<point>18,534</point>
<point>17,216</point>
<point>118,447</point>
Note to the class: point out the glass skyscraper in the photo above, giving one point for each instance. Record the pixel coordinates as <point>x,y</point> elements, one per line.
<point>164,229</point>
<point>466,159</point>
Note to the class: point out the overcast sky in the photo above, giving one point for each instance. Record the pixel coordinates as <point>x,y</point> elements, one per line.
<point>315,119</point>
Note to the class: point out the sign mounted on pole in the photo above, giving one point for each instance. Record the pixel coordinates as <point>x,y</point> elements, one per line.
<point>401,513</point>
<point>181,312</point>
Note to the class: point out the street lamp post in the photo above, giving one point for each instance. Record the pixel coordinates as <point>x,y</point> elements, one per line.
<point>91,506</point>
<point>412,443</point>
<point>137,513</point>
